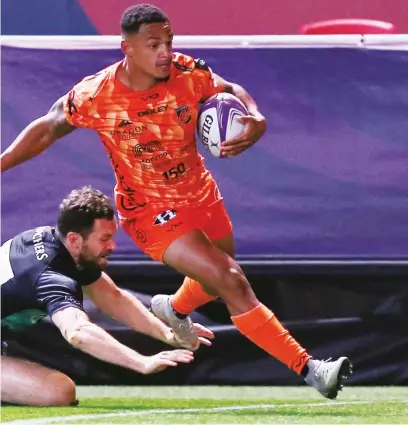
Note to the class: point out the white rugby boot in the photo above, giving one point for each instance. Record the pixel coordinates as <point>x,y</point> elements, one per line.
<point>327,376</point>
<point>183,329</point>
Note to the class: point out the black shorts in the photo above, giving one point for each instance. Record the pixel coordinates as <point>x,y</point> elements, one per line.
<point>6,336</point>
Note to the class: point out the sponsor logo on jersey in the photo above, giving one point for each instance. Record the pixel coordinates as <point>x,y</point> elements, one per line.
<point>150,147</point>
<point>72,300</point>
<point>174,226</point>
<point>125,123</point>
<point>182,67</point>
<point>164,217</point>
<point>155,158</point>
<point>201,64</point>
<point>140,235</point>
<point>71,104</point>
<point>183,114</point>
<point>152,111</point>
<point>129,203</point>
<point>129,131</point>
<point>150,97</point>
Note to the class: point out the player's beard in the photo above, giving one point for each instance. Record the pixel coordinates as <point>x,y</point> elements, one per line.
<point>91,263</point>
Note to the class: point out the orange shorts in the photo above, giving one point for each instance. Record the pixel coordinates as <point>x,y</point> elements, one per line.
<point>154,233</point>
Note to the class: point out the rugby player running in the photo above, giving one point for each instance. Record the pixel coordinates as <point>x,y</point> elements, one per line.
<point>144,109</point>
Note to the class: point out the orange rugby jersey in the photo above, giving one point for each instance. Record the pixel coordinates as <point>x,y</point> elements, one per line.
<point>149,136</point>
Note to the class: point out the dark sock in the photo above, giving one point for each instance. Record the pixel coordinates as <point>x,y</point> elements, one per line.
<point>305,370</point>
<point>179,315</point>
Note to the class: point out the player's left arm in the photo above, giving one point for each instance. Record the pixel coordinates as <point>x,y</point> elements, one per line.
<point>254,123</point>
<point>126,308</point>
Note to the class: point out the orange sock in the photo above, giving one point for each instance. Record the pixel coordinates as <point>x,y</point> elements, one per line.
<point>190,296</point>
<point>262,327</point>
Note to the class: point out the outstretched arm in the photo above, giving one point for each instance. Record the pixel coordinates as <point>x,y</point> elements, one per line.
<point>84,335</point>
<point>37,137</point>
<point>124,307</point>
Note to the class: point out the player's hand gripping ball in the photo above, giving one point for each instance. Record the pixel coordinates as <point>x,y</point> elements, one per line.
<point>225,127</point>
<point>218,121</point>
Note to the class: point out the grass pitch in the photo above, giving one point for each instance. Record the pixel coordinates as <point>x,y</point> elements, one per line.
<point>221,405</point>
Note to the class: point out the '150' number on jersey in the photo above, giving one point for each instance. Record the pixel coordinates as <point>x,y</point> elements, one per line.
<point>174,172</point>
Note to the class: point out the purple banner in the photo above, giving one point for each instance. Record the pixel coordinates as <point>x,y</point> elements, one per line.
<point>330,178</point>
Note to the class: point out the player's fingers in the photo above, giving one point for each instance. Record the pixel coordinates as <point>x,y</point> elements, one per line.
<point>205,341</point>
<point>182,356</point>
<point>183,359</point>
<point>203,331</point>
<point>238,139</point>
<point>245,118</point>
<point>176,354</point>
<point>180,351</point>
<point>167,362</point>
<point>238,147</point>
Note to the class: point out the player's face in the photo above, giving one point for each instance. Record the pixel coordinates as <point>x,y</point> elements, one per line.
<point>99,244</point>
<point>151,49</point>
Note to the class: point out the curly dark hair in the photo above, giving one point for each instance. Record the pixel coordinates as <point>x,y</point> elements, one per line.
<point>79,210</point>
<point>134,16</point>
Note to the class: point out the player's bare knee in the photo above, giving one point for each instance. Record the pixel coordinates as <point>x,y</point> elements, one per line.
<point>235,290</point>
<point>61,390</point>
<point>234,283</point>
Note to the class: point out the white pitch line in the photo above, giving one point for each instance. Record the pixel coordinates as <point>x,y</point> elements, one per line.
<point>63,419</point>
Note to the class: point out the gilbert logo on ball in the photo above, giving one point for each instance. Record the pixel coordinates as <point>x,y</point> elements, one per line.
<point>217,121</point>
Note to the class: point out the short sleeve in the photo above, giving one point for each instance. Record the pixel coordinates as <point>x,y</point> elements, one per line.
<point>204,81</point>
<point>80,103</point>
<point>56,292</point>
<point>75,109</point>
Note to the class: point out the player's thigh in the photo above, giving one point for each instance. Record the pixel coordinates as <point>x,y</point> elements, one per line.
<point>218,228</point>
<point>28,383</point>
<point>226,244</point>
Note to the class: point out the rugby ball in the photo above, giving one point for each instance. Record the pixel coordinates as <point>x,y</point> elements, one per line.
<point>217,121</point>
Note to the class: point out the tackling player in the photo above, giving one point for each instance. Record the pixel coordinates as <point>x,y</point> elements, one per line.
<point>44,271</point>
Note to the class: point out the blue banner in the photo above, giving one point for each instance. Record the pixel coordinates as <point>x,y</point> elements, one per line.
<point>329,179</point>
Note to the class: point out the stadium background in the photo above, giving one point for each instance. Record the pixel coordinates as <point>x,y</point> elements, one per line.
<point>320,206</point>
<point>80,17</point>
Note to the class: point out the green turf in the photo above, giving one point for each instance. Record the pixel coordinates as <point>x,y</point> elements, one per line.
<point>276,405</point>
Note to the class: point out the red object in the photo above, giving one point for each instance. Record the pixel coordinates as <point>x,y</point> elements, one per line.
<point>348,26</point>
<point>214,17</point>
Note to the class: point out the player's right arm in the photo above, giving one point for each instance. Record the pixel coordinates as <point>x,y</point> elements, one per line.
<point>60,296</point>
<point>84,335</point>
<point>37,137</point>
